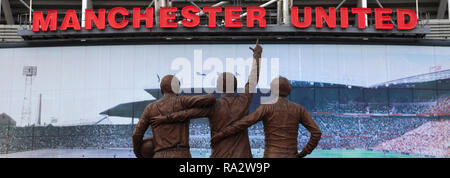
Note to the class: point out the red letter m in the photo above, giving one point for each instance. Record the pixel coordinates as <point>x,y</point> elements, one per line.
<point>38,20</point>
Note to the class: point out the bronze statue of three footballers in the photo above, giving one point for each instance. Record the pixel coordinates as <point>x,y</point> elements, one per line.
<point>228,119</point>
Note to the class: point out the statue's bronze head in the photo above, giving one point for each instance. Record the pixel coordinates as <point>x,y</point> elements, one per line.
<point>226,83</point>
<point>170,84</point>
<point>280,86</point>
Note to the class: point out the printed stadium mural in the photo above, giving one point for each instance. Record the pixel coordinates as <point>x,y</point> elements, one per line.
<point>369,100</point>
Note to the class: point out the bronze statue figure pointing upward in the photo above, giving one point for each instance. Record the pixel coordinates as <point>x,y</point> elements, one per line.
<point>227,109</point>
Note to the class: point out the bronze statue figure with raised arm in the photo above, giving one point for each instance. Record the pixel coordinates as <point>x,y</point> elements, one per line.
<point>280,120</point>
<point>170,140</point>
<point>229,108</point>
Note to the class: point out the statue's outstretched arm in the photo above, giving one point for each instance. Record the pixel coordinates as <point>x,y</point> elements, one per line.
<point>253,78</point>
<point>181,116</point>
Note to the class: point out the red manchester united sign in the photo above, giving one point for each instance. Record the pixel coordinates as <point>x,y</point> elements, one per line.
<point>406,19</point>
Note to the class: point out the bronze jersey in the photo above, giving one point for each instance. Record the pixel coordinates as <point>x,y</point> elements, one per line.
<point>224,111</point>
<point>281,123</point>
<point>170,135</point>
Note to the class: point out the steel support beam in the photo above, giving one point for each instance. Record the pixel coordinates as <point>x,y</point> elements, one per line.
<point>193,3</point>
<point>157,6</point>
<point>85,4</point>
<point>0,10</point>
<point>280,12</point>
<point>286,15</point>
<point>7,12</point>
<point>151,3</point>
<point>24,3</point>
<point>417,8</point>
<point>381,6</point>
<point>361,4</point>
<point>30,9</point>
<point>30,18</point>
<point>201,13</point>
<point>340,4</point>
<point>364,5</point>
<point>441,9</point>
<point>262,5</point>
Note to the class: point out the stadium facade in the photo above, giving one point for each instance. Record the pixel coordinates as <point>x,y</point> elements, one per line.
<point>368,88</point>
